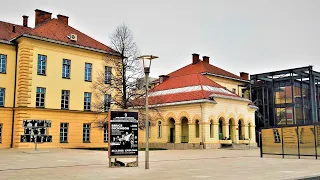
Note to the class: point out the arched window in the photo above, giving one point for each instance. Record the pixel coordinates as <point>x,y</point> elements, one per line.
<point>159,129</point>
<point>197,129</point>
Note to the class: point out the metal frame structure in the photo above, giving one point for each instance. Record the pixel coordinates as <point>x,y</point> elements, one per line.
<point>300,88</point>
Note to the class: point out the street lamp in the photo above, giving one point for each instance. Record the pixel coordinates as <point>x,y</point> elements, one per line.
<point>146,60</point>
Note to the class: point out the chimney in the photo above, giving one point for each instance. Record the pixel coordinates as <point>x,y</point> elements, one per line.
<point>25,21</point>
<point>41,16</point>
<point>195,58</point>
<point>205,59</point>
<point>63,18</point>
<point>244,75</point>
<point>162,78</point>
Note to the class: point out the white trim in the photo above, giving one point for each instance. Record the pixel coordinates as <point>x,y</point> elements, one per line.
<point>6,42</point>
<point>225,77</point>
<point>229,97</point>
<point>179,103</point>
<point>189,89</point>
<point>64,43</point>
<point>253,107</point>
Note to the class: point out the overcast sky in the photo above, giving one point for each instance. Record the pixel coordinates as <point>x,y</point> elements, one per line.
<point>253,36</point>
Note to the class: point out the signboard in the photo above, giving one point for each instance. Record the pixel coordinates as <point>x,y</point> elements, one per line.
<point>36,131</point>
<point>123,133</point>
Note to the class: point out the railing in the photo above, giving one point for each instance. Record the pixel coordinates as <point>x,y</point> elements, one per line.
<point>291,140</point>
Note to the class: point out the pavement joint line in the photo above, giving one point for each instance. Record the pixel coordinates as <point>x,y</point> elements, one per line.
<point>52,167</point>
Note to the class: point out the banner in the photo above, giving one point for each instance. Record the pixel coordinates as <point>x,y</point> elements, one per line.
<point>123,133</point>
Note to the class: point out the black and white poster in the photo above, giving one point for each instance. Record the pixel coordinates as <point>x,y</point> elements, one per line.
<point>123,133</point>
<point>36,131</point>
<point>36,123</point>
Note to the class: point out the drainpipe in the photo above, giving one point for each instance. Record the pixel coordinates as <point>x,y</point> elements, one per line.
<point>14,96</point>
<point>202,127</point>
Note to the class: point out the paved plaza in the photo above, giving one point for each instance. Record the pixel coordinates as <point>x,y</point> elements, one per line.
<point>171,164</point>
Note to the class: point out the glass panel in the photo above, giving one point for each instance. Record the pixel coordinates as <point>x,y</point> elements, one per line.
<point>271,141</point>
<point>290,140</point>
<point>306,139</point>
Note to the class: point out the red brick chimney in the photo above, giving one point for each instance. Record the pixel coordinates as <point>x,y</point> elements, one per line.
<point>63,18</point>
<point>244,75</point>
<point>25,21</point>
<point>41,16</point>
<point>195,58</point>
<point>205,59</point>
<point>162,78</point>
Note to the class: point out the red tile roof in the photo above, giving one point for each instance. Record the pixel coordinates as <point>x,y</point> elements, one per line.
<point>6,30</point>
<point>203,67</point>
<point>52,29</point>
<point>185,81</point>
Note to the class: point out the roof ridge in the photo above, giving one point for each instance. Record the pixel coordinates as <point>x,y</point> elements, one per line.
<point>219,69</point>
<point>201,86</point>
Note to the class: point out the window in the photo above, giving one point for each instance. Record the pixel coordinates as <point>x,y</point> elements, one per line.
<point>276,135</point>
<point>64,132</point>
<point>159,129</point>
<point>107,100</point>
<point>65,95</point>
<point>86,133</point>
<point>2,92</point>
<point>0,133</point>
<point>197,129</point>
<point>66,63</point>
<point>88,72</point>
<point>3,63</point>
<point>40,98</point>
<point>87,101</point>
<point>42,61</point>
<point>107,71</point>
<point>105,134</point>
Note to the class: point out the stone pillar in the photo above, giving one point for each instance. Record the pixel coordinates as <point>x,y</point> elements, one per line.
<point>252,134</point>
<point>245,131</point>
<point>205,131</point>
<point>216,131</point>
<point>225,130</point>
<point>235,134</point>
<point>177,134</point>
<point>192,132</point>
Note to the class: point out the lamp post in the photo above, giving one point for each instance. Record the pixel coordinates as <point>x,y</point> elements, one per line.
<point>147,64</point>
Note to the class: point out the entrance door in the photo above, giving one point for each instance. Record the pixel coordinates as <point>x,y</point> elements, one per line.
<point>172,135</point>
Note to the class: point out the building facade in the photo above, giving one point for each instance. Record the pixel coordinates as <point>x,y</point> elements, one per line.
<point>200,106</point>
<point>46,73</point>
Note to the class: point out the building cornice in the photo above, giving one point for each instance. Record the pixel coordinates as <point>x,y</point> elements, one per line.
<point>6,42</point>
<point>178,103</point>
<point>217,75</point>
<point>64,43</point>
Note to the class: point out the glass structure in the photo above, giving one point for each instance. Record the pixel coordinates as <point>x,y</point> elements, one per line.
<point>286,97</point>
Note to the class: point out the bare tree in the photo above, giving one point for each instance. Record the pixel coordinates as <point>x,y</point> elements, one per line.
<point>116,83</point>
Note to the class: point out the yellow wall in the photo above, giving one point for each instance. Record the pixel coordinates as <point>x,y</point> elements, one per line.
<point>53,81</point>
<point>6,121</point>
<point>7,80</point>
<point>228,83</point>
<point>75,130</point>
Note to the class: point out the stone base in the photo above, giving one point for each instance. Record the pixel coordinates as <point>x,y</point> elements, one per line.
<point>180,146</point>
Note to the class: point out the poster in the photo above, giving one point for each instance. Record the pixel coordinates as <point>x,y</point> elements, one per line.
<point>123,133</point>
<point>36,131</point>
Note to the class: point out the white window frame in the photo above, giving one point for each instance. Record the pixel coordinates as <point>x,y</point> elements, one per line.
<point>64,131</point>
<point>86,133</point>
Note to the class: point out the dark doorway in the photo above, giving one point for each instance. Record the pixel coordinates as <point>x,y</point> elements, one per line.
<point>171,135</point>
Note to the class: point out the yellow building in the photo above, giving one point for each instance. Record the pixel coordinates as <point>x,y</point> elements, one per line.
<point>200,106</point>
<point>46,73</point>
